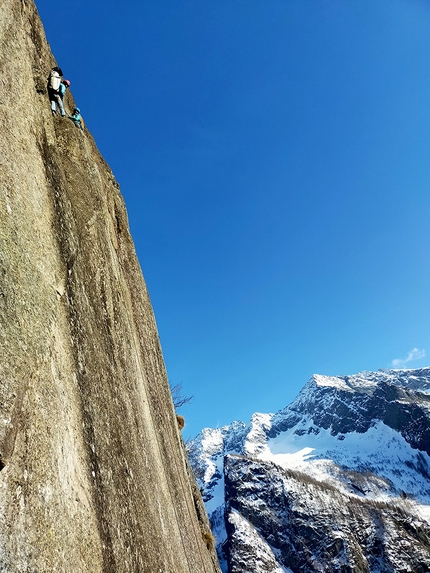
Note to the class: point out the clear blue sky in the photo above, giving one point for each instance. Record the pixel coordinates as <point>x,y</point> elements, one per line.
<point>274,156</point>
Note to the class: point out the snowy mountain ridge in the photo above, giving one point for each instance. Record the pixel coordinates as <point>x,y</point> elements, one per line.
<point>416,379</point>
<point>359,440</point>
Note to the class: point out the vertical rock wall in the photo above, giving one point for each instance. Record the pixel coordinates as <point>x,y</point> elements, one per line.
<point>93,473</point>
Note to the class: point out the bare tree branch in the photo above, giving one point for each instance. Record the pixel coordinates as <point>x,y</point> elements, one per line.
<point>179,399</point>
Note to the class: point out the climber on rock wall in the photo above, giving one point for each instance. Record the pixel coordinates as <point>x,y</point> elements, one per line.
<point>62,89</point>
<point>54,83</point>
<point>77,118</point>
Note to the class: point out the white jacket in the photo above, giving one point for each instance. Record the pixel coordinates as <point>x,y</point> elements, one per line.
<point>54,80</point>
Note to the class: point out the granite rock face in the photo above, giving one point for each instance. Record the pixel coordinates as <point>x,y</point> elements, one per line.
<point>93,473</point>
<point>338,481</point>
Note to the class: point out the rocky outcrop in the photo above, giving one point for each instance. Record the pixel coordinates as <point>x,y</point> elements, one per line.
<point>279,520</point>
<point>337,481</point>
<point>400,399</point>
<point>93,474</point>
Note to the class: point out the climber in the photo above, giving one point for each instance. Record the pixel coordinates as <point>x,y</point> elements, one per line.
<point>77,118</point>
<point>63,88</point>
<point>64,84</point>
<point>54,83</point>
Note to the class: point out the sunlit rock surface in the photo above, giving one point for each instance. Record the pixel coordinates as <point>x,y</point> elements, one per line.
<point>339,481</point>
<point>93,475</point>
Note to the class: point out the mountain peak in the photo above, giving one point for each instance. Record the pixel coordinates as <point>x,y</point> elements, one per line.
<point>359,441</point>
<point>367,381</point>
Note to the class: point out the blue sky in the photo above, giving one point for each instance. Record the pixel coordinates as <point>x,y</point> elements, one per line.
<point>274,156</point>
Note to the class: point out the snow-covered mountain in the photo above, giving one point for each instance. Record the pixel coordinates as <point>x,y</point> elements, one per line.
<point>338,481</point>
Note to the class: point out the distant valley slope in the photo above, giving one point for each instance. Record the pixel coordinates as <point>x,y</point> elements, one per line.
<point>338,481</point>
